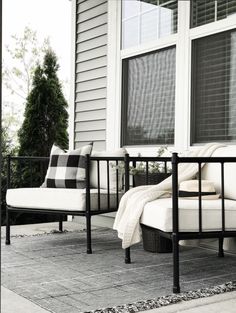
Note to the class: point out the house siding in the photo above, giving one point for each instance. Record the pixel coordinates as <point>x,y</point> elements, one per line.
<point>91,73</point>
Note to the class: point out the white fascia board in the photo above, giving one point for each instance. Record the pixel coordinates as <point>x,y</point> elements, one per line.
<point>72,80</point>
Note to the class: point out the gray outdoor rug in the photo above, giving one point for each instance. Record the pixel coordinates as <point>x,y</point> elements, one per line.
<point>54,272</point>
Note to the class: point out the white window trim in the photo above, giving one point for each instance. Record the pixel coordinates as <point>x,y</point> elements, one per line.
<point>200,32</point>
<point>72,85</point>
<point>72,82</point>
<point>213,28</point>
<point>113,110</point>
<point>149,47</point>
<point>183,41</point>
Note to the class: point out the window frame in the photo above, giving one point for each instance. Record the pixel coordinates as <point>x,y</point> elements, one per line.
<point>141,45</point>
<point>193,103</point>
<point>209,29</point>
<point>215,15</point>
<point>124,106</point>
<point>183,42</point>
<point>146,48</point>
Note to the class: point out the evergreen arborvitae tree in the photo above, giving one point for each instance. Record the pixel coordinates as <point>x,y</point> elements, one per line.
<point>45,123</point>
<point>46,117</point>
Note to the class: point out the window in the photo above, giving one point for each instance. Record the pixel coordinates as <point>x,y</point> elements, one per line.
<point>149,98</point>
<point>214,88</point>
<point>147,20</point>
<point>207,11</point>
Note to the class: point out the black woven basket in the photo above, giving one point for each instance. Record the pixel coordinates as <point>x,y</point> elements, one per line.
<point>153,242</point>
<point>153,178</point>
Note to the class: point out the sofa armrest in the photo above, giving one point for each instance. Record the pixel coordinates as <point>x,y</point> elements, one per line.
<point>103,173</point>
<point>87,182</point>
<point>199,161</point>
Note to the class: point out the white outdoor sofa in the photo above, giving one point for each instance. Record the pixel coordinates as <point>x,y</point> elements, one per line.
<point>104,189</point>
<point>180,219</point>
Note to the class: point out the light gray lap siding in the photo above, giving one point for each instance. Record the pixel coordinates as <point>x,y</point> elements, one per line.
<point>91,73</point>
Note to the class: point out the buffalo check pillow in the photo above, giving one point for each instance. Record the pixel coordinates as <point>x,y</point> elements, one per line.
<point>67,168</point>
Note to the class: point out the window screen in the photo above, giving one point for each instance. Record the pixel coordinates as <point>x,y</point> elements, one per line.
<point>149,98</point>
<point>207,11</point>
<point>214,88</point>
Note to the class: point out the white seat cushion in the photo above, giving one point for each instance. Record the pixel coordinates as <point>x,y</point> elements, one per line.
<point>212,172</point>
<point>58,198</point>
<point>158,214</point>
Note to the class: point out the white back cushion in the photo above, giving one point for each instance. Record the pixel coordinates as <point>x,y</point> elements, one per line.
<point>212,172</point>
<point>103,170</point>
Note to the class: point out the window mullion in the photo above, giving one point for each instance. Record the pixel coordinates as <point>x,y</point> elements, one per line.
<point>183,64</point>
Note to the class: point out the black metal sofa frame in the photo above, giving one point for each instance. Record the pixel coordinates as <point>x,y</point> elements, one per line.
<point>88,213</point>
<point>176,235</point>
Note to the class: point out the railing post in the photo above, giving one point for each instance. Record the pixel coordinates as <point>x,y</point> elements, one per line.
<point>108,185</point>
<point>8,235</point>
<point>8,171</point>
<point>87,182</point>
<point>88,211</point>
<point>61,223</point>
<point>126,172</point>
<point>134,165</point>
<point>8,241</point>
<point>200,197</point>
<point>175,219</point>
<point>221,238</point>
<point>127,250</point>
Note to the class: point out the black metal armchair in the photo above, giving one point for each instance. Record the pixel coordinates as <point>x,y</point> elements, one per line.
<point>105,202</point>
<point>200,233</point>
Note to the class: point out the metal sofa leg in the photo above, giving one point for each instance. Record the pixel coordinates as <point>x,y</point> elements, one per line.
<point>8,234</point>
<point>221,250</point>
<point>61,223</point>
<point>176,286</point>
<point>88,231</point>
<point>127,256</point>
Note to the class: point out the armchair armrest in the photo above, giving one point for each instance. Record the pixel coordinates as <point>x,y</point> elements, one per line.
<point>199,162</point>
<point>23,162</point>
<point>102,173</point>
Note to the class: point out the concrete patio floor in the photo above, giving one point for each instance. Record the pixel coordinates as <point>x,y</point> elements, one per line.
<point>93,287</point>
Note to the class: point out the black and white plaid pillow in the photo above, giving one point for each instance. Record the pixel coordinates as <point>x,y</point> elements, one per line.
<point>67,169</point>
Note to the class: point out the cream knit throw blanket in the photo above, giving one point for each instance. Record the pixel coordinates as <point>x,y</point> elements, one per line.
<point>132,203</point>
